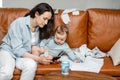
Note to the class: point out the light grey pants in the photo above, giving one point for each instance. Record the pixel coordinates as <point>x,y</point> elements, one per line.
<point>8,63</point>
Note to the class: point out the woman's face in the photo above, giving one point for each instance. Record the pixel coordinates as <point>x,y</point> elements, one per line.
<point>42,20</point>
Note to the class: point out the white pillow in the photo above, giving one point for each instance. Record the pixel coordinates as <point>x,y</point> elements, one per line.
<point>114,53</point>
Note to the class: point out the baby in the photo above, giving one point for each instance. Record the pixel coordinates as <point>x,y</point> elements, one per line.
<point>56,44</point>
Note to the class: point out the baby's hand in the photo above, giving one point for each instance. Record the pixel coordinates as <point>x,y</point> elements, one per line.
<point>76,61</point>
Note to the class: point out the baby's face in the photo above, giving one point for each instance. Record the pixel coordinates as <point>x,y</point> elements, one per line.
<point>60,39</point>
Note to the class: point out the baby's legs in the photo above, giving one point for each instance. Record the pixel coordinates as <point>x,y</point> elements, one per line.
<point>28,67</point>
<point>7,64</point>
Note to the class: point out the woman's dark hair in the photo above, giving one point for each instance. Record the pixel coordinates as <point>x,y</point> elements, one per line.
<point>46,31</point>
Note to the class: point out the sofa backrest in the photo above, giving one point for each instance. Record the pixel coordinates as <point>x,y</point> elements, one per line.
<point>94,27</point>
<point>77,28</point>
<point>7,15</point>
<point>103,28</point>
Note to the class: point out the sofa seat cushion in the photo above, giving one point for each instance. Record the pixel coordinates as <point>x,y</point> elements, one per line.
<point>45,69</point>
<point>42,69</point>
<point>109,68</point>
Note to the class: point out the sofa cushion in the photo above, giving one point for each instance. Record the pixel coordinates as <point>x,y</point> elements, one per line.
<point>77,28</point>
<point>42,69</point>
<point>103,28</point>
<point>115,53</point>
<point>109,69</point>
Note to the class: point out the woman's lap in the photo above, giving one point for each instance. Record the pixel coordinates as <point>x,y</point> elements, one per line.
<point>8,63</point>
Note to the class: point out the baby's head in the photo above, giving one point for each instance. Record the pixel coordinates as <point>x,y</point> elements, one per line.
<point>61,33</point>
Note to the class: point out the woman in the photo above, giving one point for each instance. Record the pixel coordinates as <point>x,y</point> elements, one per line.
<point>24,33</point>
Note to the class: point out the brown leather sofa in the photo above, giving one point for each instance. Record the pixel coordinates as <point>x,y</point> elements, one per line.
<point>94,27</point>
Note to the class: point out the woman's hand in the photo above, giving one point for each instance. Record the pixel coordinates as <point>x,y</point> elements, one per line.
<point>42,59</point>
<point>45,60</point>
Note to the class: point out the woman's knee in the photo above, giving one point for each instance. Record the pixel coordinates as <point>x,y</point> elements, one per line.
<point>6,75</point>
<point>30,64</point>
<point>6,72</point>
<point>7,65</point>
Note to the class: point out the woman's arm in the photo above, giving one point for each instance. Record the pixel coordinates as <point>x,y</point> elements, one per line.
<point>37,50</point>
<point>42,60</point>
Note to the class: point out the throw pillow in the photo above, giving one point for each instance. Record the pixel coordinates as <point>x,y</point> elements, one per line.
<point>114,53</point>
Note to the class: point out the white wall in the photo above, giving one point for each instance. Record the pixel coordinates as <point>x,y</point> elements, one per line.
<point>63,4</point>
<point>0,3</point>
<point>114,4</point>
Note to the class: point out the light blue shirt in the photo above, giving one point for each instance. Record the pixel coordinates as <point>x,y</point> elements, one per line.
<point>18,39</point>
<point>54,49</point>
